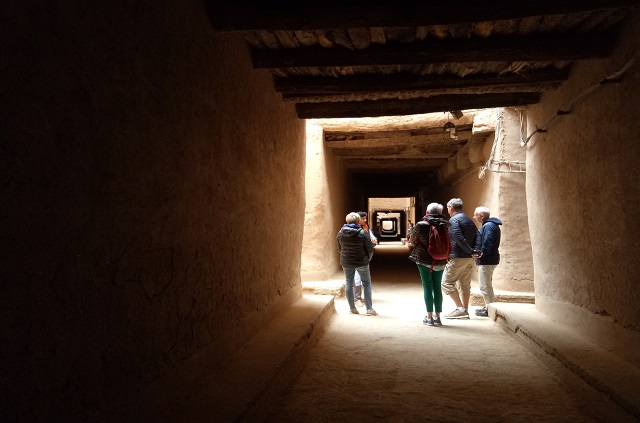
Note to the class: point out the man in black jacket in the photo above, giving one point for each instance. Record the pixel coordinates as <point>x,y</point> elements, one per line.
<point>463,233</point>
<point>488,256</point>
<point>356,250</point>
<point>357,289</point>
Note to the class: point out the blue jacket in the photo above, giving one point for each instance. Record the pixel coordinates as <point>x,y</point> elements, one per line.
<point>355,246</point>
<point>463,234</point>
<point>489,241</point>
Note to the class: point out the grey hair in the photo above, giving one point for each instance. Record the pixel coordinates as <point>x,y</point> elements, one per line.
<point>353,217</point>
<point>483,211</point>
<point>455,203</point>
<point>434,208</point>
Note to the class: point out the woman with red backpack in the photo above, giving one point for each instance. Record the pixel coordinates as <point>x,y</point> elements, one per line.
<point>431,247</point>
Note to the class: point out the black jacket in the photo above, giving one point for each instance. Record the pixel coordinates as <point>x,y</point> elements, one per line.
<point>489,241</point>
<point>355,246</point>
<point>421,231</point>
<point>463,233</point>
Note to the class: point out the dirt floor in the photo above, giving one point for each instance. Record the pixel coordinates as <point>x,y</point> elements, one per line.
<point>392,368</point>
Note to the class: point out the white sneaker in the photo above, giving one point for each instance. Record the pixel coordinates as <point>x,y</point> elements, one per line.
<point>457,314</point>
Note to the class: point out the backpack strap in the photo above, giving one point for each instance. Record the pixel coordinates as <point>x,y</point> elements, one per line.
<point>422,243</point>
<point>433,263</point>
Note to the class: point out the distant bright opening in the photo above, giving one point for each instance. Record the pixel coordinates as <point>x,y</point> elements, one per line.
<point>390,217</point>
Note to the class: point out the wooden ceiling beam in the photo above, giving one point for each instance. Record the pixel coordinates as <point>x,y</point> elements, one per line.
<point>414,141</point>
<point>498,49</point>
<point>383,127</point>
<point>406,165</point>
<point>251,15</point>
<point>407,95</point>
<point>401,156</point>
<point>433,104</point>
<point>311,85</point>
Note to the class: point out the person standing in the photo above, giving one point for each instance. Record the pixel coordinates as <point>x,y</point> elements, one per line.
<point>357,290</point>
<point>488,255</point>
<point>410,228</point>
<point>356,250</point>
<point>376,232</point>
<point>430,269</point>
<point>463,233</point>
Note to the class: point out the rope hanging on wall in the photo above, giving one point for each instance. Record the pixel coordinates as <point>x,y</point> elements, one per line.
<point>512,166</point>
<point>614,78</point>
<point>519,166</point>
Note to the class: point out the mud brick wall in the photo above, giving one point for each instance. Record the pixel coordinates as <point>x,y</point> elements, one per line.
<point>151,187</point>
<point>582,193</point>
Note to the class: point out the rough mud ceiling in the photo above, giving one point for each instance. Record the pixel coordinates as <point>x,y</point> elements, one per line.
<point>356,59</point>
<point>396,156</point>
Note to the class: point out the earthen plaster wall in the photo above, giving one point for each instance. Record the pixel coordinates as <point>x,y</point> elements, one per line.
<point>331,193</point>
<point>584,208</point>
<point>152,198</point>
<point>505,195</point>
<point>508,202</point>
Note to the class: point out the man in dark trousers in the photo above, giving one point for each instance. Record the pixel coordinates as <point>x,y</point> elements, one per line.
<point>463,233</point>
<point>487,254</point>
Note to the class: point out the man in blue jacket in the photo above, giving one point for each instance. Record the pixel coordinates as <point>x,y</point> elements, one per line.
<point>487,254</point>
<point>463,233</point>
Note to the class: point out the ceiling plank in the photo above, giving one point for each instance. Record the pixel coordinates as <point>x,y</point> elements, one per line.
<point>441,103</point>
<point>406,95</point>
<point>499,49</point>
<point>408,155</point>
<point>406,141</point>
<point>421,128</point>
<point>247,15</point>
<point>384,127</point>
<point>406,165</point>
<point>299,85</point>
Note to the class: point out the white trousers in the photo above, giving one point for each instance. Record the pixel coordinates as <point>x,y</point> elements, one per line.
<point>485,277</point>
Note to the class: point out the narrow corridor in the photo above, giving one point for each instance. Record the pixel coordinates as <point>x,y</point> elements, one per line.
<point>392,368</point>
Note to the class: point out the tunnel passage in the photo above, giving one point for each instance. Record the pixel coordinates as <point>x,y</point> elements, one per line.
<point>390,224</point>
<point>408,161</point>
<point>139,145</point>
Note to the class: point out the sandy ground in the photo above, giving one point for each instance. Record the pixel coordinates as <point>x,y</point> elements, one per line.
<point>392,368</point>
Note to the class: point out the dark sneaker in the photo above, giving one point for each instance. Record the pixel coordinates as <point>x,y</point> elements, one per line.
<point>482,312</point>
<point>457,314</point>
<point>371,312</point>
<point>428,321</point>
<point>354,311</point>
<point>436,321</point>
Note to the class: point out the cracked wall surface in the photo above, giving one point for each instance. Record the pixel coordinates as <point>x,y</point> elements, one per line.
<point>583,184</point>
<point>147,173</point>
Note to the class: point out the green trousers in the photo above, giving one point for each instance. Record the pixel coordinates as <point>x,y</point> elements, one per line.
<point>431,285</point>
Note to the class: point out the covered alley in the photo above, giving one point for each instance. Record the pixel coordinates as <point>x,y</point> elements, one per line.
<point>173,174</point>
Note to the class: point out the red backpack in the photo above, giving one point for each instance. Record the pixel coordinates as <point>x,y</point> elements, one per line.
<point>439,244</point>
